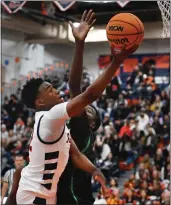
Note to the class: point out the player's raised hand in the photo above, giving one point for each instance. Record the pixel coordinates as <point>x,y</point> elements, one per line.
<point>121,55</point>
<point>87,21</point>
<point>98,176</point>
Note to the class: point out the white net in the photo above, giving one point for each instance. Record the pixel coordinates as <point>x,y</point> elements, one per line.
<point>164,6</point>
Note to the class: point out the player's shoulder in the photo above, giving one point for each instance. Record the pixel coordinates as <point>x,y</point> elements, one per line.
<point>39,114</point>
<point>59,111</point>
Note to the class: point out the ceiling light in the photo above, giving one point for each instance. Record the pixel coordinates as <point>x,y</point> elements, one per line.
<point>76,24</point>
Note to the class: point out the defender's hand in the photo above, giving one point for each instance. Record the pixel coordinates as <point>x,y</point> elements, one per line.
<point>87,21</point>
<point>98,176</point>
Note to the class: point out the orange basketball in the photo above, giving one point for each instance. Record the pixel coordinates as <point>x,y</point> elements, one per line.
<point>125,28</point>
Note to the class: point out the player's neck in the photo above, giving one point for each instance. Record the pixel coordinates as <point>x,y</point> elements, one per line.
<point>42,109</point>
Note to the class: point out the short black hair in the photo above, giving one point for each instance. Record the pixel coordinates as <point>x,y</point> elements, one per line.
<point>18,155</point>
<point>30,91</point>
<point>98,120</point>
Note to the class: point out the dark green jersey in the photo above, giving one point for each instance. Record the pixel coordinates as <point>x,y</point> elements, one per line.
<point>74,186</point>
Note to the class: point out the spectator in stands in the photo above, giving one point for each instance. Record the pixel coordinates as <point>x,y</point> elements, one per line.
<point>113,184</point>
<point>7,119</point>
<point>4,134</point>
<point>6,161</point>
<point>140,171</point>
<point>157,104</point>
<point>144,199</point>
<point>8,177</point>
<point>155,189</point>
<point>101,102</point>
<point>113,89</point>
<point>144,185</point>
<point>143,120</point>
<point>130,80</point>
<point>159,160</point>
<point>128,196</point>
<point>5,105</point>
<point>105,150</point>
<point>120,102</point>
<point>19,126</point>
<point>108,166</point>
<point>165,199</point>
<point>114,198</point>
<point>114,143</point>
<point>106,119</point>
<point>13,107</point>
<point>125,130</point>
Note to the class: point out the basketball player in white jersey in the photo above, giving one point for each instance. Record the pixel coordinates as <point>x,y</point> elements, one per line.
<point>51,141</point>
<point>50,144</point>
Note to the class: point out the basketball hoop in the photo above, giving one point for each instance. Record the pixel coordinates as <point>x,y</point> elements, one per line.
<point>164,6</point>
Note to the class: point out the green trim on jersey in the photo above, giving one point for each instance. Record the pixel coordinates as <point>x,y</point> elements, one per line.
<point>72,178</point>
<point>72,189</point>
<point>87,146</point>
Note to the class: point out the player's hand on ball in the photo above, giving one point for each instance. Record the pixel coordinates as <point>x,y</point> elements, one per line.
<point>121,55</point>
<point>98,176</point>
<point>87,21</point>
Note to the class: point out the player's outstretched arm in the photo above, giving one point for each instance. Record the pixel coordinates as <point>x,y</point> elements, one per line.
<point>82,162</point>
<point>77,104</point>
<point>12,196</point>
<point>79,33</point>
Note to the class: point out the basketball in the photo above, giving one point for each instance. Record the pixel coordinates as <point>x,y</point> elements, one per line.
<point>125,28</point>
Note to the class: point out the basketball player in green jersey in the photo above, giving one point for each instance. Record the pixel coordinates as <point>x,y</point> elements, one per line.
<point>75,185</point>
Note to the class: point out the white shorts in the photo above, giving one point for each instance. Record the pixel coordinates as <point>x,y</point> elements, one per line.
<point>28,197</point>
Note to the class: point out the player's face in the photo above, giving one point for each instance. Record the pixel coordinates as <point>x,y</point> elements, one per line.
<point>48,96</point>
<point>91,113</point>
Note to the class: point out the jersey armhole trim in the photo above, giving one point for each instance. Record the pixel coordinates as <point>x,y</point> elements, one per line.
<point>53,142</point>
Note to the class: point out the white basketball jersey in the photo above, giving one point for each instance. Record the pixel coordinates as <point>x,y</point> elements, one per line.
<point>47,162</point>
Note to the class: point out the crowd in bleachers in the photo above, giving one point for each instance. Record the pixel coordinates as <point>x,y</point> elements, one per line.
<point>134,134</point>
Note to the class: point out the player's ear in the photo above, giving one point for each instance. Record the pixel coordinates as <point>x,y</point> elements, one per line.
<point>39,102</point>
<point>92,125</point>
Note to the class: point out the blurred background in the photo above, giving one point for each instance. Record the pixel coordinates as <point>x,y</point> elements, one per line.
<point>132,145</point>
